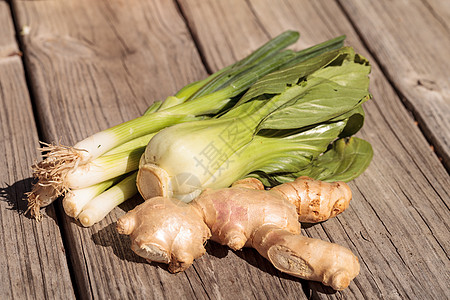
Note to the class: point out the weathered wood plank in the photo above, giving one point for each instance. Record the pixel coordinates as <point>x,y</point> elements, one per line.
<point>398,220</point>
<point>93,65</point>
<point>411,43</point>
<point>104,263</point>
<point>33,264</point>
<point>440,10</point>
<point>101,48</point>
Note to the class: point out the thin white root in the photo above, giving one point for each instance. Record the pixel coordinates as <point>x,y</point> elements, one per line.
<point>51,173</point>
<point>58,160</point>
<point>41,195</point>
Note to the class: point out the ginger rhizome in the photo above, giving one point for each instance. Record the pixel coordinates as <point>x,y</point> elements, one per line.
<point>169,231</point>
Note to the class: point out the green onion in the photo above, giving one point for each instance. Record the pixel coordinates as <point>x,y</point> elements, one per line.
<point>96,209</point>
<point>76,199</point>
<point>104,168</point>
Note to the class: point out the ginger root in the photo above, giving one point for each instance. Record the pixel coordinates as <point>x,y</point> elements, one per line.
<point>316,200</point>
<point>245,215</point>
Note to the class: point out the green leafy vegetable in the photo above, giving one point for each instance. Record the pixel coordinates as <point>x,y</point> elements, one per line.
<point>282,124</point>
<point>344,161</point>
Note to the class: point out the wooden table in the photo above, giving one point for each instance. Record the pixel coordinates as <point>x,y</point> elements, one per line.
<point>71,68</point>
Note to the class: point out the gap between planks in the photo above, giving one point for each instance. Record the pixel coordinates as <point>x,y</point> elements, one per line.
<point>28,80</point>
<point>426,130</point>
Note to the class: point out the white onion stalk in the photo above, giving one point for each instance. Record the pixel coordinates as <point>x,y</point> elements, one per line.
<point>75,200</point>
<point>133,144</point>
<point>104,168</point>
<point>96,209</point>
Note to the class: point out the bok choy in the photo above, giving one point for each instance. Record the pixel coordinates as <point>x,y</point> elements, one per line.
<point>281,126</point>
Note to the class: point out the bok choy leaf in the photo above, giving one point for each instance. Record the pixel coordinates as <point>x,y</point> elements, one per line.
<point>344,161</point>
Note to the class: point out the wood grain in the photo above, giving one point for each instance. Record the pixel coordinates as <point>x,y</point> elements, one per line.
<point>89,61</point>
<point>398,221</point>
<point>411,43</point>
<point>93,65</point>
<point>33,263</point>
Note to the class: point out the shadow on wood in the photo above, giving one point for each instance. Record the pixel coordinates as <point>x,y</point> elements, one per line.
<point>131,203</point>
<point>120,244</point>
<point>15,196</point>
<point>216,250</point>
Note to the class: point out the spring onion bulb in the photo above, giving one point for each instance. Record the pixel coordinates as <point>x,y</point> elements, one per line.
<point>96,209</point>
<point>75,200</point>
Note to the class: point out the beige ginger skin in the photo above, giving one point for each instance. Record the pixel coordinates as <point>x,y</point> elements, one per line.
<point>169,231</point>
